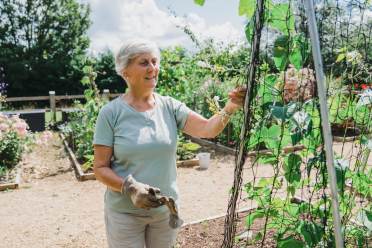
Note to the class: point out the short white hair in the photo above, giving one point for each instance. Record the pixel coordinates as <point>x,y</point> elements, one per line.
<point>131,49</point>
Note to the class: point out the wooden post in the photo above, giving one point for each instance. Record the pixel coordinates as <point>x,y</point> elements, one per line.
<point>52,102</point>
<point>106,94</point>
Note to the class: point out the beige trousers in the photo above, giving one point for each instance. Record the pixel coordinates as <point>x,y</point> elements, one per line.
<point>134,231</point>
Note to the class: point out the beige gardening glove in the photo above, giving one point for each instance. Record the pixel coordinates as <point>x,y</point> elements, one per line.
<point>142,195</point>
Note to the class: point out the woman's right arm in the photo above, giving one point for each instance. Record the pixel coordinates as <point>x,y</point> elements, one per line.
<point>102,169</point>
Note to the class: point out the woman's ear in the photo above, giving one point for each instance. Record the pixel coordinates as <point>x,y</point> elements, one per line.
<point>124,74</point>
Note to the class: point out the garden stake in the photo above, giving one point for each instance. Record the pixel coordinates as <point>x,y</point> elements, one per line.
<point>230,228</point>
<point>327,135</point>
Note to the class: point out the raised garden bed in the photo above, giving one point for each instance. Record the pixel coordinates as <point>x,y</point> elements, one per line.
<point>35,118</point>
<point>80,174</point>
<point>210,144</point>
<point>345,134</point>
<point>11,181</point>
<point>83,176</point>
<point>209,232</point>
<point>231,151</point>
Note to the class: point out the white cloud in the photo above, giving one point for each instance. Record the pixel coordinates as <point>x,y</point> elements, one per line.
<point>117,20</point>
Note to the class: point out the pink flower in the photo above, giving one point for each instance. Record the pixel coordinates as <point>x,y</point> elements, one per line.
<point>46,136</point>
<point>4,127</point>
<point>3,117</point>
<point>21,128</point>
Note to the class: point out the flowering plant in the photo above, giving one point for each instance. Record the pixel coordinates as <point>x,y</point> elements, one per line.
<point>13,135</point>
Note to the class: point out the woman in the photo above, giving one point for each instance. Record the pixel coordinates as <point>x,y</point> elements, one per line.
<point>139,131</point>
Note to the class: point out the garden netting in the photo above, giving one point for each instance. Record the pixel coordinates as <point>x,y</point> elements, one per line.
<point>281,175</point>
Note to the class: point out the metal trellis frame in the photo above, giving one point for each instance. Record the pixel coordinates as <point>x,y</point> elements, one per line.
<point>327,135</point>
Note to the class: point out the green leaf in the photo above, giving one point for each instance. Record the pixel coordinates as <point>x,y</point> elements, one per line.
<point>280,51</point>
<point>296,137</point>
<point>290,242</point>
<point>341,166</point>
<point>87,69</point>
<point>270,80</point>
<point>291,190</point>
<point>311,232</point>
<point>302,122</point>
<point>271,137</point>
<point>249,28</point>
<point>340,57</point>
<point>254,215</point>
<point>281,18</point>
<point>292,209</point>
<point>199,2</point>
<point>365,218</point>
<point>85,80</point>
<point>274,132</point>
<point>283,113</point>
<point>292,170</point>
<point>268,159</point>
<point>247,7</point>
<point>264,182</point>
<point>295,58</point>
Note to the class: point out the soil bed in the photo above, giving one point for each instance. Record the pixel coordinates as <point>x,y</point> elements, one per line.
<point>210,233</point>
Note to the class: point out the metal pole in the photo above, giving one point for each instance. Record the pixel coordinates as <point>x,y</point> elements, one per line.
<point>327,135</point>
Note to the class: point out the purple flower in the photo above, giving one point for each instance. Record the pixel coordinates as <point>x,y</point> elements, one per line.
<point>3,85</point>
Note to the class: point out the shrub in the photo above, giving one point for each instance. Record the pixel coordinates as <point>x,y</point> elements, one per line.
<point>13,135</point>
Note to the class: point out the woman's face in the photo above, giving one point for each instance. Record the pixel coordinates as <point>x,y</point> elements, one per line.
<point>143,71</point>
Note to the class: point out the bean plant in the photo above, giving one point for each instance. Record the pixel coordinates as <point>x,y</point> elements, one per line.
<point>294,203</point>
<point>80,128</point>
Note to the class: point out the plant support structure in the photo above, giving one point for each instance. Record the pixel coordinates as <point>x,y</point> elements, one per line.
<point>327,136</point>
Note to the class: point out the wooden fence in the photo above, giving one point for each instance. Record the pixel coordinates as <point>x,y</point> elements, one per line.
<point>53,99</point>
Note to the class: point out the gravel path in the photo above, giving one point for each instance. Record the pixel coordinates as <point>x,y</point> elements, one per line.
<point>53,209</point>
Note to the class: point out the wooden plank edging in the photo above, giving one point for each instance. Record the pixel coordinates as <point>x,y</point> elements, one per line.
<point>14,185</point>
<point>242,210</point>
<point>217,147</point>
<point>188,163</point>
<point>232,151</point>
<point>82,176</point>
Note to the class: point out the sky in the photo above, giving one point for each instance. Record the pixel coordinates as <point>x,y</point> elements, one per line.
<point>114,21</point>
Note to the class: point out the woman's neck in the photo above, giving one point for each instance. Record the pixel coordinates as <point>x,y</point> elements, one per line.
<point>139,100</point>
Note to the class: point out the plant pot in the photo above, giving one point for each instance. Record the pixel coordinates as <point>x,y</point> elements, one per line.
<point>204,160</point>
<point>345,134</point>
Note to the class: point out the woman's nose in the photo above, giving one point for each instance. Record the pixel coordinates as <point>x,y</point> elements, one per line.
<point>152,67</point>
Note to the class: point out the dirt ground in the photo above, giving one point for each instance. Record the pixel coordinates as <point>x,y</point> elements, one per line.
<point>52,209</point>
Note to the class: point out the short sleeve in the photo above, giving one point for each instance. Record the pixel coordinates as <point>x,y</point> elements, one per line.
<point>181,112</point>
<point>104,131</point>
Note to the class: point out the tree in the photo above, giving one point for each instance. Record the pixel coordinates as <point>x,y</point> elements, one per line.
<point>345,36</point>
<point>43,45</point>
<point>107,77</point>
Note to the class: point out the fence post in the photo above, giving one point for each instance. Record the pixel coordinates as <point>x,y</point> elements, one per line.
<point>52,102</point>
<point>327,135</point>
<point>106,94</point>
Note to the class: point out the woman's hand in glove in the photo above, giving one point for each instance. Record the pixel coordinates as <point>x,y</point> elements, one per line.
<point>142,195</point>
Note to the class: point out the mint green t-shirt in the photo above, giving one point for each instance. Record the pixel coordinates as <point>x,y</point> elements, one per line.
<point>144,145</point>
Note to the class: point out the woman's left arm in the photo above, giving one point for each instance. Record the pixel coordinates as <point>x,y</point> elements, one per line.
<point>198,126</point>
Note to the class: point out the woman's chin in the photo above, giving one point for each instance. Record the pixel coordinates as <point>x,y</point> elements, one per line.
<point>151,84</point>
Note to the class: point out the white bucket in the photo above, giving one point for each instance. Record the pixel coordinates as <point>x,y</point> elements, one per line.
<point>204,159</point>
